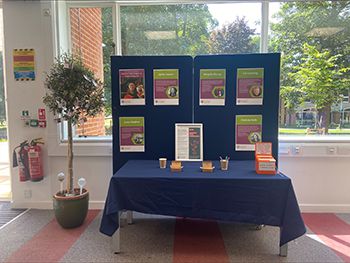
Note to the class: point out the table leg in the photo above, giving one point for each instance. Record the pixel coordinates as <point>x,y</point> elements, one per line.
<point>129,217</point>
<point>116,239</point>
<point>284,250</point>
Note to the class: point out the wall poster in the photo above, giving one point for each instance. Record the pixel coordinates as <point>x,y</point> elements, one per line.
<point>212,90</point>
<point>166,86</point>
<point>250,86</point>
<point>248,132</point>
<point>24,64</point>
<point>189,142</point>
<point>132,87</point>
<point>132,134</point>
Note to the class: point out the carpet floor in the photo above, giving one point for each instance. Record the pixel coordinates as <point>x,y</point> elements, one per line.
<point>35,236</point>
<point>7,214</point>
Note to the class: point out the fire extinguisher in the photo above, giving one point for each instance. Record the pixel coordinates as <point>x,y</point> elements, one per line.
<point>20,159</point>
<point>34,160</point>
<point>28,159</point>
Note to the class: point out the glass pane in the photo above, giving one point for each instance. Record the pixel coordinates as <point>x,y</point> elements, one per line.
<point>190,29</point>
<point>314,38</point>
<point>92,38</point>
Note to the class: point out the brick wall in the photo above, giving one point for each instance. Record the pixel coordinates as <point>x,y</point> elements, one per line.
<point>86,38</point>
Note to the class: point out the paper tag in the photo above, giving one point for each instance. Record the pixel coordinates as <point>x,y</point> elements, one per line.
<point>267,166</point>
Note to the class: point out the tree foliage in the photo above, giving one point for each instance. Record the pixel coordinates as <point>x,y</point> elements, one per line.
<point>73,90</point>
<point>108,50</point>
<point>236,37</point>
<point>312,34</point>
<point>320,78</point>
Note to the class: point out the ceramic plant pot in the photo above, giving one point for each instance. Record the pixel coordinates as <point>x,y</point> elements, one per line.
<point>71,211</point>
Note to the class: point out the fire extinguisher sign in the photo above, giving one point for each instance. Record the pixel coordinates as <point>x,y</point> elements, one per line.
<point>41,114</point>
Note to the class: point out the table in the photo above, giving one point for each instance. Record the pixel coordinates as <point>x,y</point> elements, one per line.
<point>237,195</point>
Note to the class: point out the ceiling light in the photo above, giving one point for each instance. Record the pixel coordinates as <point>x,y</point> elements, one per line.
<point>160,35</point>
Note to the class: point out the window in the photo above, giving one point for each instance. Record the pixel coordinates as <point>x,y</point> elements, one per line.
<point>190,29</point>
<point>91,37</point>
<point>314,39</point>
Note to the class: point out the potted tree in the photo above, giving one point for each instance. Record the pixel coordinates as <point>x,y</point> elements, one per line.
<point>73,95</point>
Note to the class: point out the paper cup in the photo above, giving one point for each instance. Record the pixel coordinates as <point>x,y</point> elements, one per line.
<point>162,163</point>
<point>224,165</point>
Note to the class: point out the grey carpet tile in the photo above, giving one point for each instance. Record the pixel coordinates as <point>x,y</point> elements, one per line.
<point>148,239</point>
<point>7,214</point>
<point>19,231</point>
<point>245,244</point>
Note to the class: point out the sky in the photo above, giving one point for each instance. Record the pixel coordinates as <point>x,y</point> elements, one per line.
<point>251,11</point>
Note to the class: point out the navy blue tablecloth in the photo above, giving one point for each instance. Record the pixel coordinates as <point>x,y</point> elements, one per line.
<point>238,195</point>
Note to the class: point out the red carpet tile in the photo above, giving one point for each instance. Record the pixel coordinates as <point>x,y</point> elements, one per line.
<point>333,231</point>
<point>51,242</point>
<point>198,241</point>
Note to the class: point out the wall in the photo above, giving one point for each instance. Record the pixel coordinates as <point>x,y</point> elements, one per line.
<point>26,27</point>
<point>86,39</point>
<point>319,170</point>
<point>29,25</point>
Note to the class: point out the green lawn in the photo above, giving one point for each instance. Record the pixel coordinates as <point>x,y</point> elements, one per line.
<point>303,131</point>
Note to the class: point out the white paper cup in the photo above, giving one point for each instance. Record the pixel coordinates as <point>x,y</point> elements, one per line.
<point>162,163</point>
<point>224,165</point>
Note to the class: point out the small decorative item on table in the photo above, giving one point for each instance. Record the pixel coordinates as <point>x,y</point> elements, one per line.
<point>264,161</point>
<point>176,166</point>
<point>224,163</point>
<point>207,167</point>
<point>162,163</point>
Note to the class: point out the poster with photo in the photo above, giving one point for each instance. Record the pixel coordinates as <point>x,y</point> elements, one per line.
<point>250,86</point>
<point>248,132</point>
<point>132,87</point>
<point>166,86</point>
<point>212,90</point>
<point>132,134</point>
<point>189,142</point>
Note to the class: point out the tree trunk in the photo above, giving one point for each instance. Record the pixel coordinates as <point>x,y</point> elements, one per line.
<point>70,159</point>
<point>282,114</point>
<point>326,121</point>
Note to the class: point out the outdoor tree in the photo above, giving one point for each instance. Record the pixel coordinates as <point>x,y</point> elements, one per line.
<point>291,97</point>
<point>236,37</point>
<point>323,24</point>
<point>108,50</point>
<point>321,80</point>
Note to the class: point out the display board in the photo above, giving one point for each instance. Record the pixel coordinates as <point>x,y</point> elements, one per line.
<point>157,131</point>
<point>235,97</point>
<point>219,122</point>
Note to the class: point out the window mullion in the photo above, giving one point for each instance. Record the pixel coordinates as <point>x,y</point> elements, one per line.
<point>264,39</point>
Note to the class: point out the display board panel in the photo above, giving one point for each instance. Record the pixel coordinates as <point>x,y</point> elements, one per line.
<point>219,122</point>
<point>159,120</point>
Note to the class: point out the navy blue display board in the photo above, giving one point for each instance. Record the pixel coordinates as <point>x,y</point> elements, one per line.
<point>219,121</point>
<point>159,120</point>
